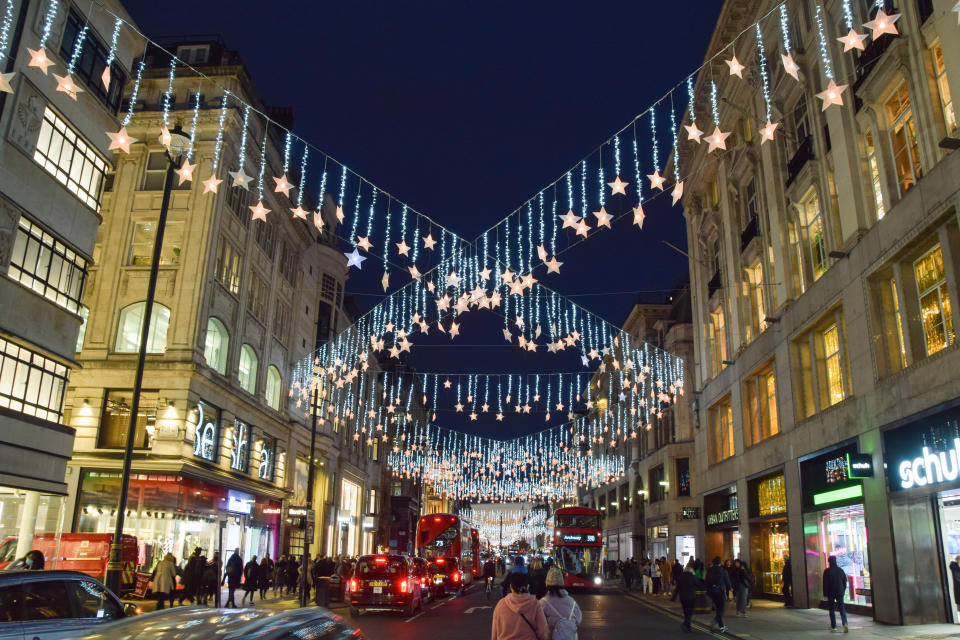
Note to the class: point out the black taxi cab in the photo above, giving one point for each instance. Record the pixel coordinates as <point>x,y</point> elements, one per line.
<point>445,575</point>
<point>384,582</point>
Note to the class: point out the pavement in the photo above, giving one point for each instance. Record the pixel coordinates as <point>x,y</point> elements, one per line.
<point>611,614</point>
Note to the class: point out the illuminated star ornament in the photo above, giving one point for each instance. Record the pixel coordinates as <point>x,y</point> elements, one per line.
<point>5,79</point>
<point>693,132</point>
<point>240,179</point>
<point>120,140</point>
<point>736,69</point>
<point>853,40</point>
<point>354,259</point>
<point>364,241</point>
<point>185,172</point>
<point>553,266</point>
<point>39,59</point>
<point>790,66</point>
<point>299,212</point>
<point>883,23</point>
<point>833,94</point>
<point>211,184</point>
<point>677,192</point>
<point>656,180</point>
<point>403,248</point>
<point>259,211</point>
<point>638,216</point>
<point>570,219</point>
<point>603,218</point>
<point>165,138</point>
<point>282,185</point>
<point>618,186</point>
<point>717,139</point>
<point>766,133</point>
<point>65,84</point>
<point>428,241</point>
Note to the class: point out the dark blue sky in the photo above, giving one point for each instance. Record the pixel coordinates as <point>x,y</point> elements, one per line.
<point>464,110</point>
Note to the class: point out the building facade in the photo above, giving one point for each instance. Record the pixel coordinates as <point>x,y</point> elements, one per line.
<point>653,511</point>
<point>221,457</point>
<point>53,163</point>
<point>823,264</point>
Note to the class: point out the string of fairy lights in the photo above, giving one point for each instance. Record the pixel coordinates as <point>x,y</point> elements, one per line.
<point>499,271</point>
<point>508,525</point>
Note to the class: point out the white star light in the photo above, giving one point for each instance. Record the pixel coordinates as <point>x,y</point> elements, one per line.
<point>656,180</point>
<point>259,211</point>
<point>65,84</point>
<point>833,94</point>
<point>354,259</point>
<point>736,69</point>
<point>638,216</point>
<point>282,185</point>
<point>883,23</point>
<point>618,186</point>
<point>677,192</point>
<point>790,66</point>
<point>570,219</point>
<point>693,132</point>
<point>5,79</point>
<point>766,133</point>
<point>853,40</point>
<point>240,179</point>
<point>603,218</point>
<point>211,184</point>
<point>717,139</point>
<point>39,59</point>
<point>120,140</point>
<point>185,172</point>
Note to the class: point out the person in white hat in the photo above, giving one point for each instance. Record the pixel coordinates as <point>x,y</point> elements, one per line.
<point>561,611</point>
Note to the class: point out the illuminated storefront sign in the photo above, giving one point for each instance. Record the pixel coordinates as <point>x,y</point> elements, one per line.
<point>860,465</point>
<point>205,443</point>
<point>267,450</point>
<point>690,513</point>
<point>930,467</point>
<point>239,502</point>
<point>240,446</point>
<point>923,452</point>
<point>721,517</point>
<point>826,479</point>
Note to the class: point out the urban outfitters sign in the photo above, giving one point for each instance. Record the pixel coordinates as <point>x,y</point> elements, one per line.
<point>925,452</point>
<point>722,517</point>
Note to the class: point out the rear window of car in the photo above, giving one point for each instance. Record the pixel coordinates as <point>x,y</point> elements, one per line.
<point>381,567</point>
<point>447,565</point>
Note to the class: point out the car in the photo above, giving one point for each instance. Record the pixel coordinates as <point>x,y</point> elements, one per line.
<point>421,572</point>
<point>384,583</point>
<point>446,576</point>
<point>42,605</point>
<point>203,623</point>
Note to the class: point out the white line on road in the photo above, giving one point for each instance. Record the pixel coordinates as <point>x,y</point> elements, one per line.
<point>416,616</point>
<point>443,602</point>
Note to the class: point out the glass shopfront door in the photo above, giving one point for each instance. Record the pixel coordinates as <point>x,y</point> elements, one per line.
<point>839,532</point>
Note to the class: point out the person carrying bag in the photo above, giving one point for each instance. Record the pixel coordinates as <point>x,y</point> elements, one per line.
<point>562,612</point>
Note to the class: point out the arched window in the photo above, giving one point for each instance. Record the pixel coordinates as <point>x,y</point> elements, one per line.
<point>274,383</point>
<point>131,321</point>
<point>247,371</point>
<point>216,344</point>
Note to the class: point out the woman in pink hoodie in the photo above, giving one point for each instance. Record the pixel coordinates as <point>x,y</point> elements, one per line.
<point>518,616</point>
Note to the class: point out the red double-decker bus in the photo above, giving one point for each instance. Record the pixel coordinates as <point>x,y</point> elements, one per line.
<point>578,545</point>
<point>451,547</point>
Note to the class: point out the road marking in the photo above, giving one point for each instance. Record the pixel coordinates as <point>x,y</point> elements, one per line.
<point>693,623</point>
<point>472,609</point>
<point>416,616</point>
<point>442,602</point>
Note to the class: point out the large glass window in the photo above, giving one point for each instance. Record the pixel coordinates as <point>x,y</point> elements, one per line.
<point>31,383</point>
<point>721,431</point>
<point>273,387</point>
<point>874,168</point>
<point>264,234</point>
<point>820,368</point>
<point>228,266</point>
<point>46,600</point>
<point>842,533</point>
<point>42,263</point>
<point>718,340</point>
<point>92,61</point>
<point>935,311</point>
<point>155,173</point>
<point>758,323</point>
<point>131,323</point>
<point>68,158</point>
<point>247,369</point>
<point>237,200</point>
<point>145,234</point>
<point>93,601</point>
<point>946,102</point>
<point>116,419</point>
<point>833,365</point>
<point>288,263</point>
<point>257,295</point>
<point>760,405</point>
<point>215,345</point>
<point>281,321</point>
<point>903,138</point>
<point>813,234</point>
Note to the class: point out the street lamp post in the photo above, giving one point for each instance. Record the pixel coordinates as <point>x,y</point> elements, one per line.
<point>176,152</point>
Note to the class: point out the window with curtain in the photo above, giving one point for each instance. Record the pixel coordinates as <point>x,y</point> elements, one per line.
<point>247,369</point>
<point>813,234</point>
<point>216,345</point>
<point>721,430</point>
<point>273,387</point>
<point>946,102</point>
<point>935,311</point>
<point>131,322</point>
<point>903,138</point>
<point>760,405</point>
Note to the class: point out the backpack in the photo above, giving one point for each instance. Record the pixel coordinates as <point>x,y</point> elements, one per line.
<point>566,628</point>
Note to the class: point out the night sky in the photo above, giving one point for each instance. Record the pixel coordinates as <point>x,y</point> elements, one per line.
<point>464,110</point>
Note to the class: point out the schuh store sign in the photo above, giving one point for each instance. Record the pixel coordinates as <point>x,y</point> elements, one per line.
<point>924,452</point>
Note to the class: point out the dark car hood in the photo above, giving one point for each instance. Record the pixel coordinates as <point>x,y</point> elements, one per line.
<point>202,623</point>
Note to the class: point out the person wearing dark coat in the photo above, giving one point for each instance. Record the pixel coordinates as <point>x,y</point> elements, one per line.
<point>955,575</point>
<point>208,580</point>
<point>787,578</point>
<point>251,580</point>
<point>834,588</point>
<point>191,577</point>
<point>687,584</point>
<point>718,584</point>
<point>266,575</point>
<point>233,575</point>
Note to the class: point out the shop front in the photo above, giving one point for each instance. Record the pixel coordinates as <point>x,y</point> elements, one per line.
<point>24,514</point>
<point>346,538</point>
<point>834,524</point>
<point>922,459</point>
<point>769,535</point>
<point>658,536</point>
<point>721,524</point>
<point>175,513</point>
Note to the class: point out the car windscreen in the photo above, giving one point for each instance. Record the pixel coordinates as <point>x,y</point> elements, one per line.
<point>381,567</point>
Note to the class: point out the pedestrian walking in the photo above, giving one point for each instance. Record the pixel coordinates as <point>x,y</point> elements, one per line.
<point>561,612</point>
<point>232,576</point>
<point>538,578</point>
<point>686,590</point>
<point>666,575</point>
<point>834,589</point>
<point>786,577</point>
<point>518,616</point>
<point>629,573</point>
<point>251,580</point>
<point>647,586</point>
<point>208,581</point>
<point>655,576</point>
<point>191,576</point>
<point>718,585</point>
<point>265,575</point>
<point>165,580</point>
<point>742,580</point>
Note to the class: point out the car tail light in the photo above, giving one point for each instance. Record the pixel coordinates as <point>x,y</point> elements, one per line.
<point>380,560</point>
<point>403,586</point>
<point>456,576</point>
<point>439,560</point>
<point>353,585</point>
<point>423,581</point>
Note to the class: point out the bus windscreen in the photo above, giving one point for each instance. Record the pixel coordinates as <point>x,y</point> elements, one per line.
<point>577,521</point>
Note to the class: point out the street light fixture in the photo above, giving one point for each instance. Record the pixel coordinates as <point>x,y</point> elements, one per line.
<point>177,152</point>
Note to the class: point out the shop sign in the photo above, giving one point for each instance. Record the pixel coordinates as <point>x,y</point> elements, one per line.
<point>826,479</point>
<point>207,433</point>
<point>271,511</point>
<point>860,465</point>
<point>923,453</point>
<point>690,513</point>
<point>240,446</point>
<point>267,450</point>
<point>723,517</point>
<point>239,502</point>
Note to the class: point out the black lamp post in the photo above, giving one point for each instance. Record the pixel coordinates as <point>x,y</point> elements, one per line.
<point>176,153</point>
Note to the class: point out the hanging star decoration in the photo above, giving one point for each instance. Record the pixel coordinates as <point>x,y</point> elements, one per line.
<point>853,40</point>
<point>185,172</point>
<point>282,185</point>
<point>120,140</point>
<point>583,228</point>
<point>299,213</point>
<point>39,59</point>
<point>5,79</point>
<point>717,139</point>
<point>553,266</point>
<point>414,272</point>
<point>364,242</point>
<point>736,69</point>
<point>656,180</point>
<point>618,186</point>
<point>340,214</point>
<point>638,215</point>
<point>318,220</point>
<point>541,252</point>
<point>403,248</point>
<point>105,77</point>
<point>693,132</point>
<point>883,23</point>
<point>766,133</point>
<point>259,211</point>
<point>354,259</point>
<point>165,137</point>
<point>677,191</point>
<point>385,280</point>
<point>211,184</point>
<point>570,219</point>
<point>832,95</point>
<point>240,179</point>
<point>428,241</point>
<point>65,84</point>
<point>790,66</point>
<point>603,218</point>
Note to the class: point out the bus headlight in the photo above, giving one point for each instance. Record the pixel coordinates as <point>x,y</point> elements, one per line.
<point>597,580</point>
